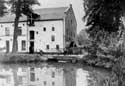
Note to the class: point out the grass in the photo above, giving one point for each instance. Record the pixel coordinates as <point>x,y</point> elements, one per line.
<point>20,58</point>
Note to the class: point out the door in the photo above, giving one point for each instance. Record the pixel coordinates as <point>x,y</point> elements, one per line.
<point>7,47</point>
<point>31,48</point>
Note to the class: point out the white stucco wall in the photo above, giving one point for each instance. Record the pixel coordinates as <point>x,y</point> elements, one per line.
<point>43,38</point>
<point>4,38</point>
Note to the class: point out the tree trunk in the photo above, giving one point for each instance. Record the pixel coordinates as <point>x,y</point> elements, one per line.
<point>17,14</point>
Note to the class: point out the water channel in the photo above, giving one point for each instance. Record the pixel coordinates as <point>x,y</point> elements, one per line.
<point>49,74</point>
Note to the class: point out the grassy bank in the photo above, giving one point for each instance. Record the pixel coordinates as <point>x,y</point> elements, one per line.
<point>21,58</point>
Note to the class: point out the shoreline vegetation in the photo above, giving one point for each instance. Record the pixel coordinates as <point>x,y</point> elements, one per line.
<point>28,58</point>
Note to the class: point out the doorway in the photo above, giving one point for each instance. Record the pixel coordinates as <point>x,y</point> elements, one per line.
<point>31,48</point>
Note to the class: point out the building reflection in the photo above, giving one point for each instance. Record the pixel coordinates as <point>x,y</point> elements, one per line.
<point>38,76</point>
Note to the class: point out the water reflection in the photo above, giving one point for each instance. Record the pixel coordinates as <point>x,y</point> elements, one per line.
<point>42,75</point>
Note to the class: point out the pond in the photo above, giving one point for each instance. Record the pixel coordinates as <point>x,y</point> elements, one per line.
<point>49,74</point>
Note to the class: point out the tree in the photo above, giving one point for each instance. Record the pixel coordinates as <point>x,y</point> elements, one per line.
<point>2,8</point>
<point>82,38</point>
<point>106,30</point>
<point>20,7</point>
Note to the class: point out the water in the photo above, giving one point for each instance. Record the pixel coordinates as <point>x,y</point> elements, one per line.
<point>47,74</point>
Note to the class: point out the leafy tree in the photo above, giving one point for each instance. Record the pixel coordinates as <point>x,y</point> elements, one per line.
<point>82,38</point>
<point>2,8</point>
<point>20,7</point>
<point>105,29</point>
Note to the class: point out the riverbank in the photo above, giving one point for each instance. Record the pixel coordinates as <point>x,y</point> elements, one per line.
<point>20,58</point>
<point>28,58</point>
<point>38,57</point>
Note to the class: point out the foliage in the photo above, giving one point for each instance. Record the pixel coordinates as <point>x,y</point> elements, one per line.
<point>105,29</point>
<point>82,38</point>
<point>25,6</point>
<point>2,8</point>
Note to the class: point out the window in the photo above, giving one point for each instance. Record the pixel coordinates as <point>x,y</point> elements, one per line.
<point>53,74</point>
<point>30,21</point>
<point>23,69</point>
<point>32,76</point>
<point>57,47</point>
<point>71,21</point>
<point>32,34</point>
<point>32,69</point>
<point>19,31</point>
<point>7,31</point>
<point>44,28</point>
<point>47,46</point>
<point>20,78</point>
<point>23,45</point>
<point>53,28</point>
<point>8,80</point>
<point>44,82</point>
<point>53,83</point>
<point>53,38</point>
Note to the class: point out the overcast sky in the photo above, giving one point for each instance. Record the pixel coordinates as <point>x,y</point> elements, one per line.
<point>77,6</point>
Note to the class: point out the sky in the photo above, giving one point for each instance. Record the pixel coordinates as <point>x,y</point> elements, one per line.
<point>76,4</point>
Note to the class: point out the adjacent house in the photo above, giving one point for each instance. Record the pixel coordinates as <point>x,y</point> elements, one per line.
<point>55,28</point>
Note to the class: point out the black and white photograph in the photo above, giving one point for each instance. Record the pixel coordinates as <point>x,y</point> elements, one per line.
<point>62,42</point>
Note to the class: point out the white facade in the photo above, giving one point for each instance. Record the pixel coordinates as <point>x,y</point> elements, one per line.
<point>42,38</point>
<point>43,35</point>
<point>51,32</point>
<point>6,34</point>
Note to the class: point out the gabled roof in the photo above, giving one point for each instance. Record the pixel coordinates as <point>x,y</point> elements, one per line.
<point>45,14</point>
